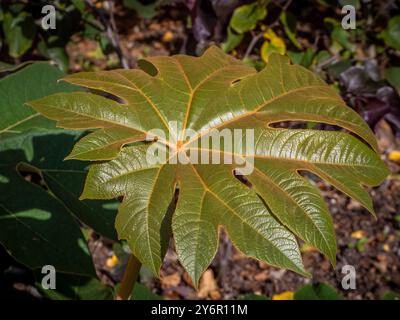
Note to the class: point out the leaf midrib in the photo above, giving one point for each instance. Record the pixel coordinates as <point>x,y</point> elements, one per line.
<point>257,109</point>
<point>147,213</point>
<point>15,124</point>
<point>285,159</point>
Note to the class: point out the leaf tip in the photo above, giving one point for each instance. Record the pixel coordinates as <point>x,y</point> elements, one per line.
<point>333,262</point>
<point>30,104</point>
<point>306,274</point>
<point>71,156</point>
<point>83,196</point>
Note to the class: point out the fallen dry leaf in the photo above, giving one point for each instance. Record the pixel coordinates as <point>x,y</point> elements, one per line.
<point>215,295</point>
<point>262,276</point>
<point>171,280</point>
<point>358,234</point>
<point>187,279</point>
<point>394,156</point>
<point>207,284</point>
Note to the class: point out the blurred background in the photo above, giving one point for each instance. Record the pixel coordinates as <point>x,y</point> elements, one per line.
<point>362,63</point>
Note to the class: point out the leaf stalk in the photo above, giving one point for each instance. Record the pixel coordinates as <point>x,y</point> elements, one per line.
<point>129,278</point>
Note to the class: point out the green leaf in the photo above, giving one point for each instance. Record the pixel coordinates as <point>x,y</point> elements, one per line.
<point>253,296</point>
<point>289,24</point>
<point>319,291</point>
<point>5,66</point>
<point>342,37</point>
<point>147,11</point>
<point>355,3</point>
<point>75,287</point>
<point>232,41</point>
<point>140,292</point>
<point>19,31</point>
<point>390,295</point>
<point>304,58</point>
<point>142,218</point>
<point>245,17</point>
<point>31,82</point>
<point>66,179</point>
<point>391,35</point>
<point>216,91</point>
<point>103,144</point>
<point>25,136</point>
<point>55,50</point>
<point>392,75</point>
<point>31,220</point>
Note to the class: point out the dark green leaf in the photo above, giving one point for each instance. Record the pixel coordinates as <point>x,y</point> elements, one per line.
<point>319,291</point>
<point>392,75</point>
<point>245,18</point>
<point>74,287</point>
<point>19,31</point>
<point>289,24</point>
<point>252,296</point>
<point>140,292</point>
<point>232,41</point>
<point>37,230</point>
<point>147,11</point>
<point>391,35</point>
<point>26,136</point>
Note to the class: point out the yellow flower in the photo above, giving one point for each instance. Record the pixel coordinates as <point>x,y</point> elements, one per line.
<point>287,295</point>
<point>394,156</point>
<point>358,234</point>
<point>168,36</point>
<point>112,262</point>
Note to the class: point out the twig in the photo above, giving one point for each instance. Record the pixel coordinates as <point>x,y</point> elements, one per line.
<point>111,30</point>
<point>327,62</point>
<point>283,8</point>
<point>252,44</point>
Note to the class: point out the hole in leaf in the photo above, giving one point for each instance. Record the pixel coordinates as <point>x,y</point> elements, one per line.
<point>242,178</point>
<point>148,67</point>
<point>235,82</point>
<point>109,96</point>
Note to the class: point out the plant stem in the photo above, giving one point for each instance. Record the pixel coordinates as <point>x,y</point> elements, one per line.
<point>129,279</point>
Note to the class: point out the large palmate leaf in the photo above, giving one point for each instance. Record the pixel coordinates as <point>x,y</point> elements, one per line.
<point>187,98</point>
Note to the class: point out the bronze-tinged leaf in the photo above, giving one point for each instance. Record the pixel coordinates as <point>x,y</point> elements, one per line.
<point>187,99</point>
